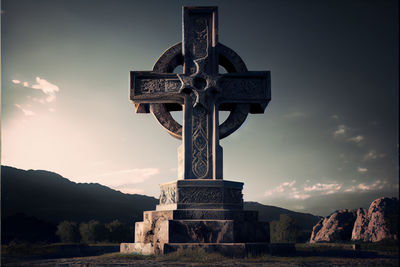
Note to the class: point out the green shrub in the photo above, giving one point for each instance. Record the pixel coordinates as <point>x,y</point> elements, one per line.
<point>68,232</point>
<point>118,232</point>
<point>93,232</point>
<point>284,230</point>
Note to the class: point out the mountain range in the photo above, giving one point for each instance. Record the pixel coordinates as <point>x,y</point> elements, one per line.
<point>37,195</point>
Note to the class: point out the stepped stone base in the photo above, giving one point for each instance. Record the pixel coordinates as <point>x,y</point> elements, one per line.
<point>226,249</point>
<point>200,213</point>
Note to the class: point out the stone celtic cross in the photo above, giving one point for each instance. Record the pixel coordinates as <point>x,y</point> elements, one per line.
<point>200,92</point>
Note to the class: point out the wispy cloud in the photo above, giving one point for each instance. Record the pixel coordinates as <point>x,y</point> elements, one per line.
<point>26,112</point>
<point>340,130</point>
<point>362,170</point>
<point>356,139</point>
<point>323,188</point>
<point>43,85</point>
<point>46,87</point>
<point>288,190</point>
<point>296,114</point>
<point>280,188</point>
<point>297,195</point>
<point>371,155</point>
<point>362,187</point>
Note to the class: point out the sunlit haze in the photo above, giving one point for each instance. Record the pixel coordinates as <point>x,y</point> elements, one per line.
<point>328,139</point>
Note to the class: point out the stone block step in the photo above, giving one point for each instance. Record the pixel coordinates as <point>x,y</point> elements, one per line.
<point>217,231</point>
<point>226,249</point>
<point>217,214</point>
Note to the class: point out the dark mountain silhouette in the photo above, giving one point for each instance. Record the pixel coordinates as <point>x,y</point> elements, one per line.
<point>53,198</point>
<point>304,221</point>
<point>36,196</point>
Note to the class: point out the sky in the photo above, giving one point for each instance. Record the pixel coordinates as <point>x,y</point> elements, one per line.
<point>328,139</point>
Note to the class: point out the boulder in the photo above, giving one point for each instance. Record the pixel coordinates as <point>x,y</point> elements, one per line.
<point>334,228</point>
<point>380,223</point>
<point>360,225</point>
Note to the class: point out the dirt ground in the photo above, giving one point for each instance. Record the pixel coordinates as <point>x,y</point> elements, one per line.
<point>262,261</point>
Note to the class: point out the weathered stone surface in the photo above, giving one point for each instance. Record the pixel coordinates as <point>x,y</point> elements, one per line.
<point>200,208</point>
<point>230,249</point>
<point>336,227</point>
<point>200,91</point>
<point>360,226</point>
<point>218,223</point>
<point>201,231</point>
<point>201,191</point>
<point>139,248</point>
<point>381,221</point>
<point>201,214</point>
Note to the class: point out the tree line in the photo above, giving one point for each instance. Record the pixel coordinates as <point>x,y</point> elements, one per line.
<point>94,232</point>
<point>285,230</point>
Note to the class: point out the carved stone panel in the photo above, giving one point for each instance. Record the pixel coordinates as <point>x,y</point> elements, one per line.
<point>232,195</point>
<point>200,195</point>
<point>200,142</point>
<point>168,194</point>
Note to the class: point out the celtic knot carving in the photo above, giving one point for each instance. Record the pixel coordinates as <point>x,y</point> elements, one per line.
<point>200,31</point>
<point>168,195</point>
<point>200,195</point>
<point>199,142</point>
<point>240,87</point>
<point>157,86</point>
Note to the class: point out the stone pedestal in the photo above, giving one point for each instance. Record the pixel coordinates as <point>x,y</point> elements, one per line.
<point>200,213</point>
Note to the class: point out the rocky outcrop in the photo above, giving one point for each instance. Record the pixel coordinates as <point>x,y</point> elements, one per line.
<point>336,227</point>
<point>360,225</point>
<point>377,223</point>
<point>381,221</point>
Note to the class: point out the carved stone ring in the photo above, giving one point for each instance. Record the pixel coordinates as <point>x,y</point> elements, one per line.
<point>173,58</point>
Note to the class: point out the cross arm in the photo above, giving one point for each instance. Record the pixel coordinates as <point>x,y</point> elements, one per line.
<point>253,87</point>
<point>151,87</point>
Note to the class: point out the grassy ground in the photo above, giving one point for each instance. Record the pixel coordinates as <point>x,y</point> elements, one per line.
<point>306,255</point>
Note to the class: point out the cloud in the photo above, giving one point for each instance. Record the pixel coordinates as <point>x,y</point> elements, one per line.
<point>26,112</point>
<point>286,189</point>
<point>43,85</point>
<point>46,87</point>
<point>341,130</point>
<point>362,187</point>
<point>362,170</point>
<point>356,139</point>
<point>371,155</point>
<point>324,188</point>
<point>293,115</point>
<point>280,188</point>
<point>296,195</point>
